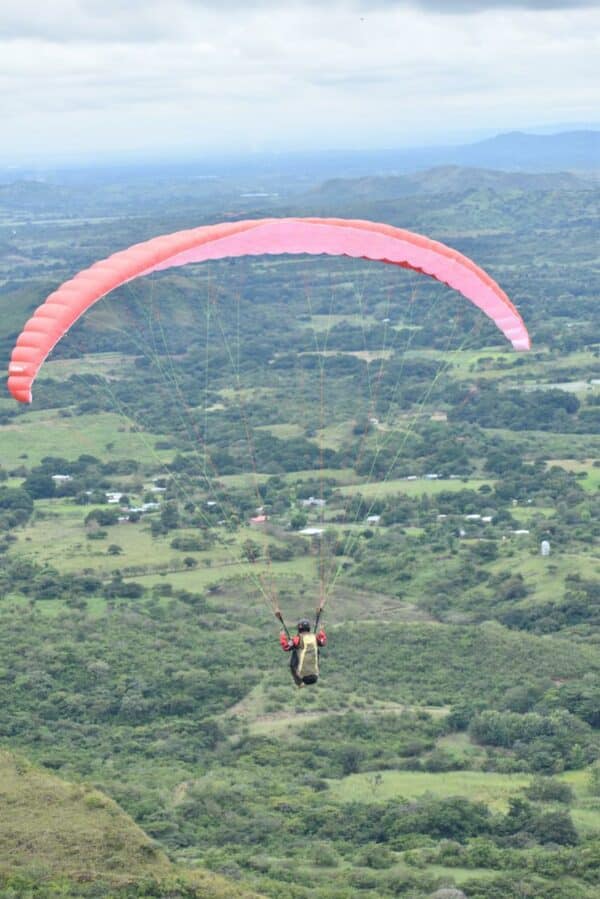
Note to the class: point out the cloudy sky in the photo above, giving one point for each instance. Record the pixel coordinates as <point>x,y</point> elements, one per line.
<point>91,78</point>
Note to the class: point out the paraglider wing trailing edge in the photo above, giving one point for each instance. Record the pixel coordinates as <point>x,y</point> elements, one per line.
<point>315,236</point>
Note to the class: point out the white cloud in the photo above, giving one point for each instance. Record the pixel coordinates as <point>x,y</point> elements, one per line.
<point>91,77</point>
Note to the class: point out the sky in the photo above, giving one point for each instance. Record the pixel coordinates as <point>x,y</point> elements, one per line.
<point>93,79</point>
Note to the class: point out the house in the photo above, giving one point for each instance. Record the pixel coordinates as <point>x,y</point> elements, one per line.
<point>259,519</point>
<point>313,501</point>
<point>373,519</point>
<point>311,532</point>
<point>60,478</point>
<point>114,497</point>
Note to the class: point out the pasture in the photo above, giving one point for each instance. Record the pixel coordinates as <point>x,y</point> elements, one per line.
<point>101,434</point>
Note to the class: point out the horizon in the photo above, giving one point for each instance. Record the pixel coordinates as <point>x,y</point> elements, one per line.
<point>225,163</point>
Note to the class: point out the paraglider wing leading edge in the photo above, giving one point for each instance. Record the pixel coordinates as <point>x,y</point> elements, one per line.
<point>315,236</point>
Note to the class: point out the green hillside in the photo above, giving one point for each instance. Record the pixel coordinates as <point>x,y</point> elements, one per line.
<point>59,837</point>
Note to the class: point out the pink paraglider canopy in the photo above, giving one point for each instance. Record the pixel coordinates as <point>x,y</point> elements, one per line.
<point>333,237</point>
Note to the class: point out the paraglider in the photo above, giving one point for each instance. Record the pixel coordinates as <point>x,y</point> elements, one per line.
<point>314,236</point>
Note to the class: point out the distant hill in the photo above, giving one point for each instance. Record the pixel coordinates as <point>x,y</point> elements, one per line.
<point>453,178</point>
<point>515,151</point>
<point>52,828</point>
<point>36,196</point>
<point>291,171</point>
<point>446,180</point>
<point>541,152</point>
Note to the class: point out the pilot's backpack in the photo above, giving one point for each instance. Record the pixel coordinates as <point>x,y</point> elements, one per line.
<point>307,668</point>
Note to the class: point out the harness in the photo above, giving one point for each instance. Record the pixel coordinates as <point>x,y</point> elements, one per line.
<point>305,657</point>
<point>308,658</point>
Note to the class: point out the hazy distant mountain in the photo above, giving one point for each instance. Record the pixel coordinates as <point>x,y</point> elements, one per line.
<point>295,171</point>
<point>444,180</point>
<point>34,195</point>
<point>518,150</point>
<point>515,151</point>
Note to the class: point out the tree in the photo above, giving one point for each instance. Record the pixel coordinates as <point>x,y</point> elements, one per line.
<point>16,498</point>
<point>39,485</point>
<point>594,779</point>
<point>298,521</point>
<point>169,516</point>
<point>102,517</point>
<point>251,550</point>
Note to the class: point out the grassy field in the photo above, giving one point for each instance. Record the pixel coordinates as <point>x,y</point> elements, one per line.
<point>100,434</point>
<point>483,786</point>
<point>340,475</point>
<point>283,431</point>
<point>75,552</point>
<point>334,435</point>
<point>545,575</point>
<point>106,364</point>
<point>243,395</point>
<point>461,875</point>
<point>419,487</point>
<point>57,535</point>
<point>492,363</point>
<point>526,514</point>
<point>556,446</point>
<point>199,578</point>
<point>322,323</point>
<point>591,481</point>
<point>365,355</point>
